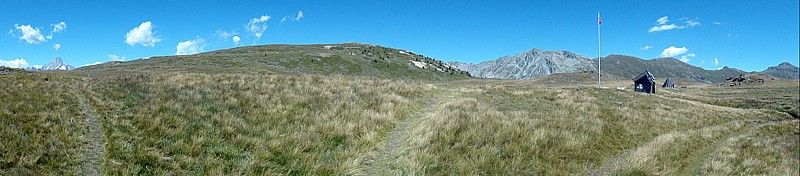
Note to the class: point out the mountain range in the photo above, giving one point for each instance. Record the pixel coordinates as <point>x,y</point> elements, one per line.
<point>529,64</point>
<point>56,64</point>
<point>538,63</point>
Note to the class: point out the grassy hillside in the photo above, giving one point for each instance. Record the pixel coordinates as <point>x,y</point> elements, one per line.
<point>323,59</point>
<point>629,67</point>
<point>42,128</point>
<point>186,115</point>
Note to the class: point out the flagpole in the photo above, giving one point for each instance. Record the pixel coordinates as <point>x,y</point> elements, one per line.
<point>598,48</point>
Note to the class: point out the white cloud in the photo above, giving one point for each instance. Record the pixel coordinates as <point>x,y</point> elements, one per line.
<point>257,26</point>
<point>56,46</point>
<point>686,58</point>
<point>716,62</point>
<point>661,24</point>
<point>225,34</point>
<point>702,62</point>
<point>115,57</point>
<point>236,40</point>
<point>665,27</point>
<point>190,47</point>
<point>692,23</point>
<point>662,20</point>
<point>299,16</point>
<point>30,34</point>
<point>673,51</point>
<point>143,35</point>
<point>95,63</point>
<point>58,27</point>
<point>645,48</point>
<point>16,63</point>
<point>716,23</point>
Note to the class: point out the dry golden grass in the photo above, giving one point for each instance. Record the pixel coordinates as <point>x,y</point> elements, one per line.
<point>41,127</point>
<point>499,130</point>
<point>241,124</point>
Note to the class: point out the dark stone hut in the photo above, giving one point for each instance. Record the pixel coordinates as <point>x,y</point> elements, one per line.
<point>644,83</point>
<point>668,83</point>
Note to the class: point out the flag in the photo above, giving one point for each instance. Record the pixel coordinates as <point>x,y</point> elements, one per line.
<point>599,21</point>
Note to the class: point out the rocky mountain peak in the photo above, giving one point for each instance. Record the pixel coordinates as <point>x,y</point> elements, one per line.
<point>57,64</point>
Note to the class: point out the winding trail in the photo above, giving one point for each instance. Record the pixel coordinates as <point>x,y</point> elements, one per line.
<point>92,159</point>
<point>394,146</point>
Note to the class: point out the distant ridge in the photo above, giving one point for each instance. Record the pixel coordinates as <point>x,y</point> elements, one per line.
<point>529,64</point>
<point>784,70</point>
<point>538,63</point>
<point>629,67</point>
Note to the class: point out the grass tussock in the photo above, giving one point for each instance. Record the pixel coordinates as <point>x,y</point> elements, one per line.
<point>518,131</point>
<point>767,150</point>
<point>244,124</point>
<point>41,127</point>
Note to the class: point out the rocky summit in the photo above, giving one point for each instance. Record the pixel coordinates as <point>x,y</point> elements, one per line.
<point>529,64</point>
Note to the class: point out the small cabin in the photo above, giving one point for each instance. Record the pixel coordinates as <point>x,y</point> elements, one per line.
<point>669,83</point>
<point>645,83</point>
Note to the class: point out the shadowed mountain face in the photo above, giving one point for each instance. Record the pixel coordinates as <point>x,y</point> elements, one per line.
<point>629,67</point>
<point>323,59</point>
<point>784,71</point>
<point>529,64</point>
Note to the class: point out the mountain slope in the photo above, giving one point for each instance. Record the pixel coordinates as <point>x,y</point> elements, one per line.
<point>784,70</point>
<point>529,64</point>
<point>324,59</point>
<point>629,67</point>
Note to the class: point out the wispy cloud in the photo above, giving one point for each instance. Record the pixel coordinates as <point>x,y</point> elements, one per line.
<point>686,58</point>
<point>297,17</point>
<point>56,46</point>
<point>661,24</point>
<point>143,35</point>
<point>716,23</point>
<point>716,61</point>
<point>662,20</point>
<point>257,26</point>
<point>645,48</point>
<point>673,51</point>
<point>95,63</point>
<point>113,57</point>
<point>58,27</point>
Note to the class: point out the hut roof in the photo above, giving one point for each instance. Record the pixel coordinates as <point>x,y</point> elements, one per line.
<point>646,74</point>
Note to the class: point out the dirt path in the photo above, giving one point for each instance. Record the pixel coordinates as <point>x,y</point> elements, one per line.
<point>92,159</point>
<point>393,147</point>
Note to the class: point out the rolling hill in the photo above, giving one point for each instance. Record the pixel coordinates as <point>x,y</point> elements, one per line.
<point>323,59</point>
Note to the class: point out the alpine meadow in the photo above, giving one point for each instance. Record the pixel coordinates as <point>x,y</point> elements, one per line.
<point>430,88</point>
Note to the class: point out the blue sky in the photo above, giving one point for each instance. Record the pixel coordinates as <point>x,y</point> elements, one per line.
<point>749,35</point>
